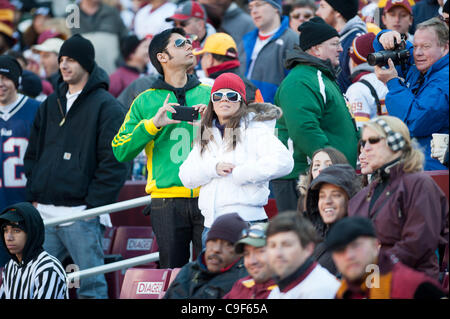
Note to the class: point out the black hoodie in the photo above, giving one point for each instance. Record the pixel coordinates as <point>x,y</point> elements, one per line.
<point>69,159</point>
<point>34,227</point>
<point>39,275</point>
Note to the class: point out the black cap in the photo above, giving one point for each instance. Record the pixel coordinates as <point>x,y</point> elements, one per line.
<point>10,68</point>
<point>346,230</point>
<point>341,175</point>
<point>128,45</point>
<point>81,50</point>
<point>347,8</point>
<point>12,217</point>
<point>227,227</point>
<point>314,32</point>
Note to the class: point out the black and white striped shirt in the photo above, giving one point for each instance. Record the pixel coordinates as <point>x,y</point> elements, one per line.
<point>41,278</point>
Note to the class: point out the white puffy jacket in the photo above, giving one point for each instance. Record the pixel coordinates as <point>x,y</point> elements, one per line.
<point>258,158</point>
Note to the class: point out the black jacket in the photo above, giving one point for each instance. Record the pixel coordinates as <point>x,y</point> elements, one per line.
<point>38,275</point>
<point>196,282</point>
<point>72,163</point>
<point>340,175</point>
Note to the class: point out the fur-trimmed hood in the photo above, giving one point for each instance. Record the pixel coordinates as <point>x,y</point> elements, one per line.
<point>264,112</point>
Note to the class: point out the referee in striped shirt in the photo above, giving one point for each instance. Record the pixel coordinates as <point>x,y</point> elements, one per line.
<point>31,273</point>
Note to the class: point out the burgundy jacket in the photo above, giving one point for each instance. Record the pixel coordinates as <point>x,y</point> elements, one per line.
<point>246,288</point>
<point>410,217</point>
<point>121,79</point>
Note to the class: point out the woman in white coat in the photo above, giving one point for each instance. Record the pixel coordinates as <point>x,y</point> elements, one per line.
<point>235,155</point>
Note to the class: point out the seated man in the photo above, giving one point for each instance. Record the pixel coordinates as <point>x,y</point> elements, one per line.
<point>259,283</point>
<point>217,268</point>
<point>421,99</point>
<point>290,244</point>
<point>31,273</point>
<point>355,251</point>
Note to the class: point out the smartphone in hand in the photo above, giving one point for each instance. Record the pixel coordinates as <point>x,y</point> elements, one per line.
<point>185,113</point>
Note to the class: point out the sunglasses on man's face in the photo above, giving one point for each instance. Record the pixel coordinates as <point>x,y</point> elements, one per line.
<point>231,96</point>
<point>253,233</point>
<point>179,43</point>
<point>371,140</point>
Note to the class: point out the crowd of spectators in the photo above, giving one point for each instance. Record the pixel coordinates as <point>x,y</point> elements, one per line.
<point>332,108</point>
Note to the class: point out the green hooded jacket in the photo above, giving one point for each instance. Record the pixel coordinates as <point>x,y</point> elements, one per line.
<point>315,113</point>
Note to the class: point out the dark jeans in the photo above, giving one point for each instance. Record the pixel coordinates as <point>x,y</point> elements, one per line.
<point>286,194</point>
<point>176,222</point>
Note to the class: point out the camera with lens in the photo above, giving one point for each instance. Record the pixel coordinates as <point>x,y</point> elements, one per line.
<point>399,55</point>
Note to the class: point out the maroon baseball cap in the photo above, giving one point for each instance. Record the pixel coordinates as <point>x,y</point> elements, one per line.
<point>397,3</point>
<point>188,9</point>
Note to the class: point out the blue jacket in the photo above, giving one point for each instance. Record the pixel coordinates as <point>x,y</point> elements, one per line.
<point>353,28</point>
<point>269,69</point>
<point>425,112</point>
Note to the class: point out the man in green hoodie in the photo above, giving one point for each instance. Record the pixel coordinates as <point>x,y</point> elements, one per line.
<point>315,114</point>
<point>174,212</point>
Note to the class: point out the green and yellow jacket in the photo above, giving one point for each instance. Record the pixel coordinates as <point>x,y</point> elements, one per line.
<point>167,147</point>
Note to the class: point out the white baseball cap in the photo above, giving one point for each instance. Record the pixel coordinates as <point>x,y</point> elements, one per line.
<point>49,45</point>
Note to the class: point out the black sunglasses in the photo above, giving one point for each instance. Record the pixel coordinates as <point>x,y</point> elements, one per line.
<point>179,43</point>
<point>371,140</point>
<point>253,233</point>
<point>231,96</point>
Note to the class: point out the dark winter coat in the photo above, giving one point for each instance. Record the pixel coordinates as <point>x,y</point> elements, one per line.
<point>410,216</point>
<point>71,163</point>
<point>195,281</point>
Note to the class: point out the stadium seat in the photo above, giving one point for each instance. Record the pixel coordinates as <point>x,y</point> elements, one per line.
<point>174,273</point>
<point>132,216</point>
<point>133,241</point>
<point>129,242</point>
<point>144,283</point>
<point>441,178</point>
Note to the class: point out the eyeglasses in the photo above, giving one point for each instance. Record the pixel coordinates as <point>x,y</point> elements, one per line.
<point>179,43</point>
<point>231,96</point>
<point>253,233</point>
<point>371,140</point>
<point>298,15</point>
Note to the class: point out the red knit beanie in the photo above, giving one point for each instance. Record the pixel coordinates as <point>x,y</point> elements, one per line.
<point>230,81</point>
<point>362,47</point>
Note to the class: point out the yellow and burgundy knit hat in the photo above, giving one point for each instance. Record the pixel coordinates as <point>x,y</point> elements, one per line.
<point>7,20</point>
<point>361,47</point>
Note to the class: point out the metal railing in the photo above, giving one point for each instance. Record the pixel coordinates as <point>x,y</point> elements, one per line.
<point>118,265</point>
<point>107,209</point>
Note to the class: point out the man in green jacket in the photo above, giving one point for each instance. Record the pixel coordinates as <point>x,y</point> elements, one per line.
<point>174,213</point>
<point>315,114</point>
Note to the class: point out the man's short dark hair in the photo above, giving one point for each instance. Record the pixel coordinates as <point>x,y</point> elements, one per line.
<point>159,43</point>
<point>224,58</point>
<point>293,221</point>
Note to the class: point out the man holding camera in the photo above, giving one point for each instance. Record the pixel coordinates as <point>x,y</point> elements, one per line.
<point>421,98</point>
<point>174,212</point>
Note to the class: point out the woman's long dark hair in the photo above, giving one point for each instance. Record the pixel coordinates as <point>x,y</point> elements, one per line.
<point>232,134</point>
